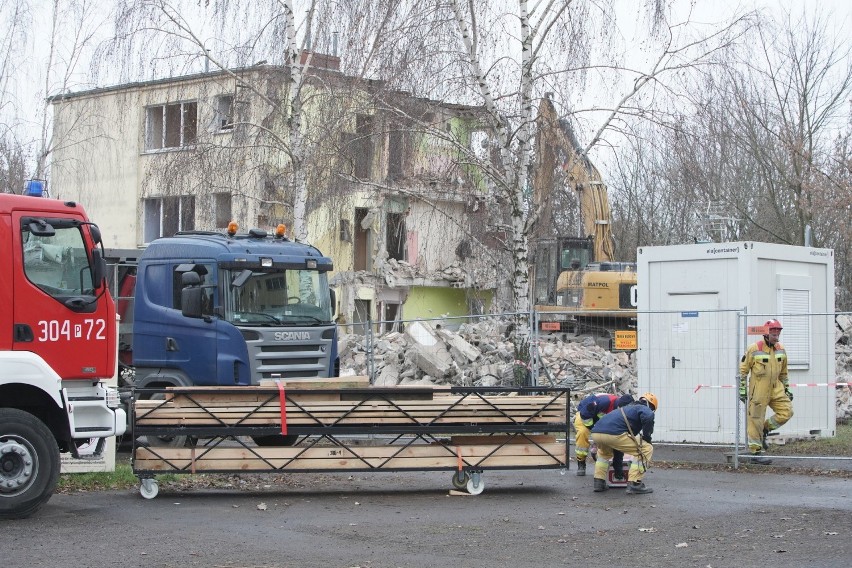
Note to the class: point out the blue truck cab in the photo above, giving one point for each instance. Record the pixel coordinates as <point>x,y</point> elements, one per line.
<point>230,309</point>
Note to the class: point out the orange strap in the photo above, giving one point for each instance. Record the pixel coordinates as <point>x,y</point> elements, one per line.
<point>458,455</point>
<point>283,404</point>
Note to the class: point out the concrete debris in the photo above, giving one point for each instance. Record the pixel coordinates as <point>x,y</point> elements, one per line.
<point>843,365</point>
<point>483,354</point>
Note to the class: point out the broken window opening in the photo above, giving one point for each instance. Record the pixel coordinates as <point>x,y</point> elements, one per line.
<point>171,126</point>
<point>396,235</point>
<point>165,216</point>
<point>396,150</point>
<point>363,146</point>
<point>392,317</point>
<point>222,209</point>
<point>361,249</point>
<point>224,106</point>
<point>361,317</point>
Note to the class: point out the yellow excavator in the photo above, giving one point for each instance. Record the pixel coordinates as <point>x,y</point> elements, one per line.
<point>577,286</point>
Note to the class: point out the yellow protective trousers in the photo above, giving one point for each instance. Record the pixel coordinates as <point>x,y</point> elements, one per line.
<point>628,444</point>
<point>765,392</point>
<point>581,439</point>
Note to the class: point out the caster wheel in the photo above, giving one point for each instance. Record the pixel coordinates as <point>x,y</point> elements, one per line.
<point>149,488</point>
<point>475,485</point>
<point>460,479</point>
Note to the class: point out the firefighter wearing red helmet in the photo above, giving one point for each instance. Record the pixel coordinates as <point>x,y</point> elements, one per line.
<point>764,382</point>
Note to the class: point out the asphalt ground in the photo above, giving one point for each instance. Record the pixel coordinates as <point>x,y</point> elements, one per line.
<point>755,516</point>
<point>723,457</point>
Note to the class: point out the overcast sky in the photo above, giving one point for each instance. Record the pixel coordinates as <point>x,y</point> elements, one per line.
<point>28,86</point>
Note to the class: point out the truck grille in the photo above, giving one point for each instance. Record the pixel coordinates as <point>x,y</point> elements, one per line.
<point>272,358</point>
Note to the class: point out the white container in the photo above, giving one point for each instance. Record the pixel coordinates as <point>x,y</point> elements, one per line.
<point>692,333</point>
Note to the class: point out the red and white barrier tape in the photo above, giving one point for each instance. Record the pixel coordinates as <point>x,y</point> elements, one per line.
<point>699,387</point>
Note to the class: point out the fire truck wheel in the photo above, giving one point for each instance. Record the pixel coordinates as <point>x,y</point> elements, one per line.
<point>29,464</point>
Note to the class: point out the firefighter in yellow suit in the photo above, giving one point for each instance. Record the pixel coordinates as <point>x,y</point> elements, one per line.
<point>764,382</point>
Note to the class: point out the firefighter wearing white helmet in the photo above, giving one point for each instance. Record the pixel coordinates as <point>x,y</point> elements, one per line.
<point>764,382</point>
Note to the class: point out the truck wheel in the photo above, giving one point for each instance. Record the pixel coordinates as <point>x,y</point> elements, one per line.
<point>29,464</point>
<point>164,441</point>
<point>275,440</point>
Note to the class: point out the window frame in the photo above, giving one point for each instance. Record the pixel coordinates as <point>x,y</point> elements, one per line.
<point>183,203</point>
<point>223,121</point>
<point>187,131</point>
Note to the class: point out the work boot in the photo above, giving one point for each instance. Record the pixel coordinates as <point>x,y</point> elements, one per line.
<point>760,459</point>
<point>600,485</point>
<point>581,468</point>
<point>763,439</point>
<point>637,488</point>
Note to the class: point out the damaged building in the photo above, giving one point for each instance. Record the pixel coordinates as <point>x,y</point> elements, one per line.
<point>392,196</point>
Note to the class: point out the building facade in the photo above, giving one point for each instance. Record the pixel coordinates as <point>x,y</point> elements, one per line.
<point>390,196</point>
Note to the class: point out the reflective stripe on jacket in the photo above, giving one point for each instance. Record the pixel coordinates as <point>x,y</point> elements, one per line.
<point>765,362</point>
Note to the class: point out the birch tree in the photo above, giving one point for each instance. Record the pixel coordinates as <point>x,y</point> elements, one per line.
<point>507,55</point>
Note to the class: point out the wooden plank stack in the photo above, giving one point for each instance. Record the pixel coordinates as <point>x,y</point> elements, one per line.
<point>419,456</point>
<point>316,404</point>
<point>518,427</point>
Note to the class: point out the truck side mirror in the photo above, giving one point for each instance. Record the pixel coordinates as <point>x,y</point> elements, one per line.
<point>190,295</point>
<point>333,297</point>
<point>96,234</point>
<point>190,302</point>
<point>98,268</point>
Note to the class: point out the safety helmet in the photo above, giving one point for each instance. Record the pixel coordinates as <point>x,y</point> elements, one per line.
<point>773,324</point>
<point>652,400</point>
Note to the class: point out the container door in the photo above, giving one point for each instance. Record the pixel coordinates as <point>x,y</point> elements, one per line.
<point>685,353</point>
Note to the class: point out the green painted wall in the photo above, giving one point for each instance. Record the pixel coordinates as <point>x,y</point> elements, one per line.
<point>426,302</point>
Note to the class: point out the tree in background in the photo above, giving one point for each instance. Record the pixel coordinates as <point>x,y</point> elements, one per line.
<point>757,153</point>
<point>14,23</point>
<point>507,56</point>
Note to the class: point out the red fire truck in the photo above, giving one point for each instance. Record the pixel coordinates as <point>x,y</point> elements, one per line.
<point>57,346</point>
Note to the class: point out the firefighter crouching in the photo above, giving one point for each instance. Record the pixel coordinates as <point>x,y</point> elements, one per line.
<point>589,411</point>
<point>628,430</point>
<point>764,382</point>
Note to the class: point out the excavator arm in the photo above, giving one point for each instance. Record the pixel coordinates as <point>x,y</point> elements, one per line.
<point>559,150</point>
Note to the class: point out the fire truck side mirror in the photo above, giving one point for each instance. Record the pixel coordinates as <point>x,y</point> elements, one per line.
<point>98,268</point>
<point>96,234</point>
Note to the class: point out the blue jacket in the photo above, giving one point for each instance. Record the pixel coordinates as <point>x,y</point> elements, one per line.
<point>594,406</point>
<point>640,417</point>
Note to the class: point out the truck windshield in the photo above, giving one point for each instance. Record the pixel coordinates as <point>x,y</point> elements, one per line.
<point>270,297</point>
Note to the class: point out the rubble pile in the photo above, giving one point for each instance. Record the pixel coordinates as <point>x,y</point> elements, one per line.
<point>843,365</point>
<point>484,354</point>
